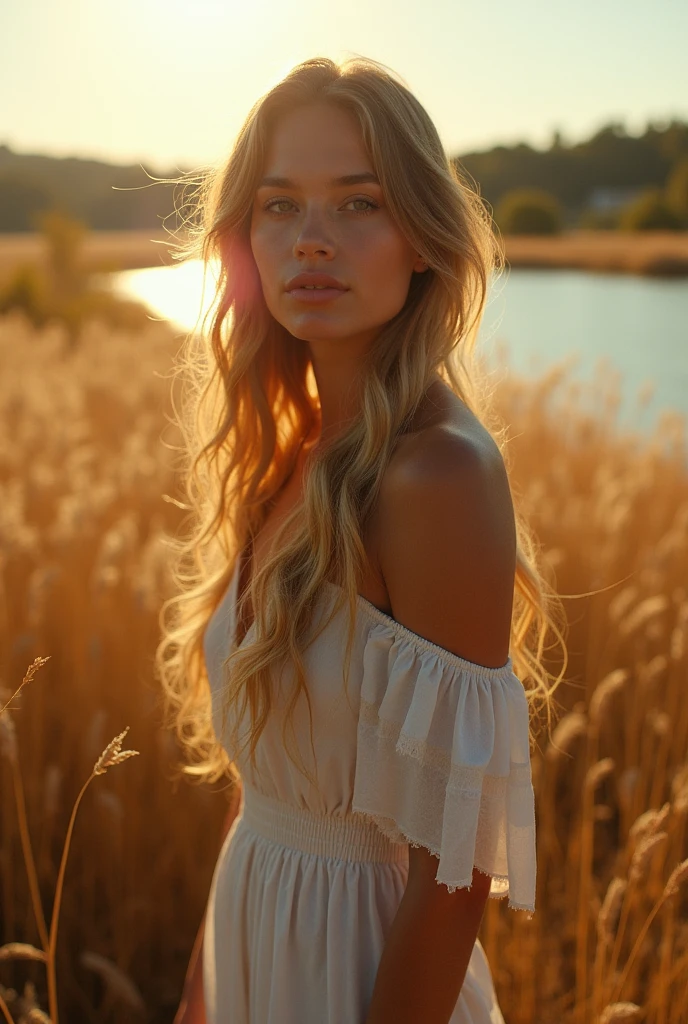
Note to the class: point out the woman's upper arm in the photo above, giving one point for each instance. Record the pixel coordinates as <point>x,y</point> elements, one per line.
<point>422,882</point>
<point>443,759</point>
<point>232,810</point>
<point>448,545</point>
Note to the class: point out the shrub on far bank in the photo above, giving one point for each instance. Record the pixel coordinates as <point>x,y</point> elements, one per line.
<point>650,211</point>
<point>528,211</point>
<point>676,191</point>
<point>62,290</point>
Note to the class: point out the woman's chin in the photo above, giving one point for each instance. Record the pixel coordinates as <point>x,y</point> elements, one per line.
<point>317,329</point>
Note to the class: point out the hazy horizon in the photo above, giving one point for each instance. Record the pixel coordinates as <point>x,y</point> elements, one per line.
<point>167,83</point>
<point>119,160</point>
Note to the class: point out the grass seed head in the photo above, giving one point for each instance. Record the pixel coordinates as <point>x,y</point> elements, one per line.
<point>599,771</point>
<point>33,668</point>
<point>113,754</point>
<point>604,692</point>
<point>119,983</point>
<point>21,951</point>
<point>643,613</point>
<point>648,823</point>
<point>620,1013</point>
<point>678,875</point>
<point>30,673</point>
<point>608,917</point>
<point>567,731</point>
<point>37,1016</point>
<point>643,854</point>
<point>679,790</point>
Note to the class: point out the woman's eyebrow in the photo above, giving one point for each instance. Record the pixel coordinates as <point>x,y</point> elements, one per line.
<point>347,179</point>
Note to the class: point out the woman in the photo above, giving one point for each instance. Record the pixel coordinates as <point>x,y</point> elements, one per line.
<point>341,646</point>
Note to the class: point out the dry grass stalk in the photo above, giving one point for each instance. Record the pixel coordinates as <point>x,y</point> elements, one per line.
<point>30,673</point>
<point>679,873</point>
<point>4,1009</point>
<point>25,1006</point>
<point>118,982</point>
<point>594,775</point>
<point>598,772</point>
<point>642,855</point>
<point>643,613</point>
<point>21,951</point>
<point>604,692</point>
<point>621,1013</point>
<point>608,917</point>
<point>620,604</point>
<point>9,749</point>
<point>86,461</point>
<point>36,1016</point>
<point>113,754</point>
<point>677,876</point>
<point>679,791</point>
<point>640,860</point>
<point>607,929</point>
<point>569,729</point>
<point>668,940</point>
<point>648,823</point>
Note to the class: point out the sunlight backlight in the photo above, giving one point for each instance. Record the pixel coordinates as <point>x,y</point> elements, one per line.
<point>172,293</point>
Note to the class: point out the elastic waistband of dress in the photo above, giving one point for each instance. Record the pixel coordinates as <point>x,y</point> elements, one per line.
<point>344,837</point>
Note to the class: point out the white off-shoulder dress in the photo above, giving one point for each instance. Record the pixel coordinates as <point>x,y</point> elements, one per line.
<point>427,748</point>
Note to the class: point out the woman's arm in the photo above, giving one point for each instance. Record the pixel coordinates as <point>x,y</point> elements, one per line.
<point>192,1005</point>
<point>428,948</point>
<point>448,556</point>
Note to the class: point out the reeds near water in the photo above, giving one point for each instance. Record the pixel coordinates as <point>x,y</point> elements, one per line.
<point>83,472</point>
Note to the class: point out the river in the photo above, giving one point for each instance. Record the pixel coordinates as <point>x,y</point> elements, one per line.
<point>604,323</point>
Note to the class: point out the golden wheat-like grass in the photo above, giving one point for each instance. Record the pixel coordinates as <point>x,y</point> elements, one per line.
<point>85,464</point>
<point>111,756</point>
<point>621,1013</point>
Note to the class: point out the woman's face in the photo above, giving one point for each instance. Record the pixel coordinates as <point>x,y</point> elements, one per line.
<point>307,221</point>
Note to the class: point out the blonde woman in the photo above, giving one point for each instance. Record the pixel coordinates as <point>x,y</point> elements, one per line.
<point>345,645</point>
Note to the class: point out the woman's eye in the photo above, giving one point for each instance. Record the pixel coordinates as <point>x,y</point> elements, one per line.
<point>371,205</point>
<point>274,203</point>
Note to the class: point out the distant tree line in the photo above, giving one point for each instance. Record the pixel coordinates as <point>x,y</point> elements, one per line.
<point>102,196</point>
<point>612,180</point>
<point>610,160</point>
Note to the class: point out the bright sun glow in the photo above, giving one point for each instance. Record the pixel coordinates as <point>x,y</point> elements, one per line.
<point>173,293</point>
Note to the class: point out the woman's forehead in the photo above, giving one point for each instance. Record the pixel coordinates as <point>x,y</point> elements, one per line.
<point>319,140</point>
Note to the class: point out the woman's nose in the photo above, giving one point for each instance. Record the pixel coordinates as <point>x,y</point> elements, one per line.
<point>313,235</point>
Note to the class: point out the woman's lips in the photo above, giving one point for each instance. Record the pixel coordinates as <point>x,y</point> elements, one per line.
<point>315,296</point>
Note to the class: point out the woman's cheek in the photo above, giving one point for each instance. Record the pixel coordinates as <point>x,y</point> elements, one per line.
<point>268,269</point>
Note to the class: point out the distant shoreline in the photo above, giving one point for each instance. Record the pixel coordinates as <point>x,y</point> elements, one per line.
<point>655,254</point>
<point>645,253</point>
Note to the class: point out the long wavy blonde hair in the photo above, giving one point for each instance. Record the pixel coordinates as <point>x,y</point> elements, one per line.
<point>250,401</point>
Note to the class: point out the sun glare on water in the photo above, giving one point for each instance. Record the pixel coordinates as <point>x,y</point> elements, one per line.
<point>177,293</point>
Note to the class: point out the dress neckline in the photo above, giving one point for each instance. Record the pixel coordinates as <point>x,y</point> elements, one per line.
<point>383,619</point>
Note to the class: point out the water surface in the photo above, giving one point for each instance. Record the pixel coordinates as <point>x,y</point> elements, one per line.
<point>607,323</point>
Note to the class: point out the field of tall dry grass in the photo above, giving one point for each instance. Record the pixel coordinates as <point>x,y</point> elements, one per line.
<point>84,472</point>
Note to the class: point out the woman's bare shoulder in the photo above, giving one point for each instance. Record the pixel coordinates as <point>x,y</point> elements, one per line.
<point>443,429</point>
<point>447,539</point>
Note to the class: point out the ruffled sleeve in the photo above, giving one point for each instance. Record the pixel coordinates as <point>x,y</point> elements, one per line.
<point>443,761</point>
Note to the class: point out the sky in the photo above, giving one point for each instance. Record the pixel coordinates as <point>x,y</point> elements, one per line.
<point>169,82</point>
